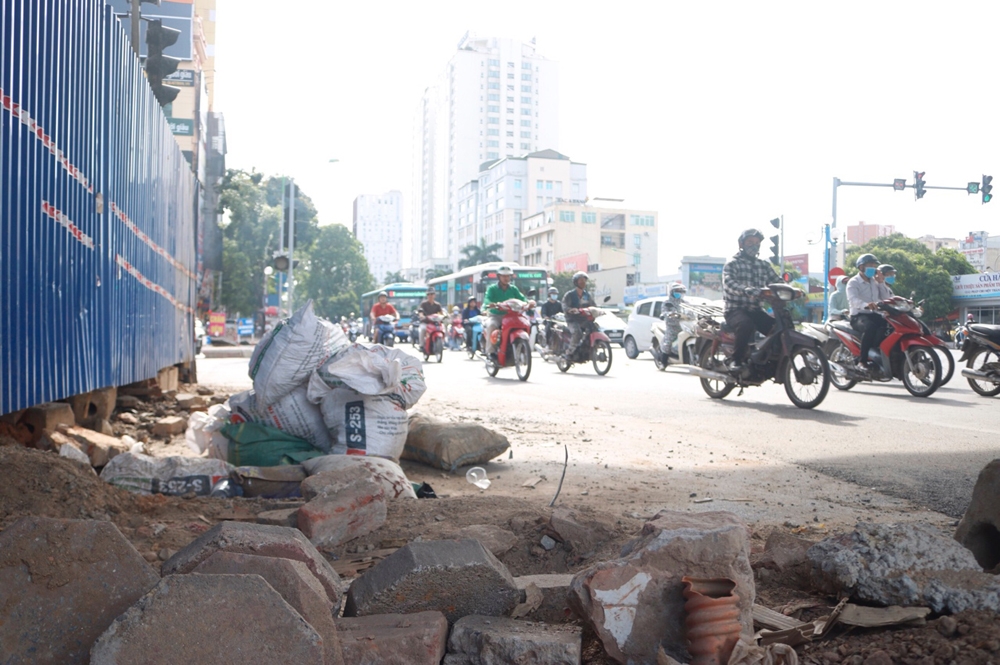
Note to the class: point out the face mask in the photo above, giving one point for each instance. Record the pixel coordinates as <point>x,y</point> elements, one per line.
<point>752,251</point>
<point>870,272</point>
<point>890,280</point>
<point>552,296</point>
<point>677,296</point>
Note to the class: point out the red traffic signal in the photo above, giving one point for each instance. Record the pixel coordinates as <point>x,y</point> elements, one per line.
<point>918,184</point>
<point>786,277</point>
<point>899,184</point>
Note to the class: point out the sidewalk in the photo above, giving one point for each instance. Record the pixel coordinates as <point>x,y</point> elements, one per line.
<point>222,351</point>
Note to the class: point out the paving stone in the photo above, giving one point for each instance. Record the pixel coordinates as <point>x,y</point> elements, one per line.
<point>457,577</point>
<point>350,512</point>
<point>553,606</point>
<point>47,416</point>
<point>259,539</point>
<point>394,639</point>
<point>634,603</point>
<point>480,640</point>
<point>979,529</point>
<point>296,584</point>
<point>187,401</point>
<point>169,426</point>
<point>62,583</point>
<point>283,517</point>
<point>497,540</point>
<point>210,619</point>
<point>100,448</point>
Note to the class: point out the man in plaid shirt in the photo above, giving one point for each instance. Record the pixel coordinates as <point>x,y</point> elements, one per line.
<point>742,280</point>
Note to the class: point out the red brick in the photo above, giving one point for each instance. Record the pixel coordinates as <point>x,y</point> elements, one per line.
<point>352,511</point>
<point>401,639</point>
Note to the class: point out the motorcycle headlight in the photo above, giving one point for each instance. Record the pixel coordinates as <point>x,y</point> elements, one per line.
<point>917,312</point>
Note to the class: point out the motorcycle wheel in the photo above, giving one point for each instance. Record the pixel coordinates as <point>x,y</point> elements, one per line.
<point>631,348</point>
<point>600,355</point>
<point>439,349</point>
<point>978,359</point>
<point>948,361</point>
<point>842,356</point>
<point>522,358</point>
<point>562,363</point>
<point>658,359</point>
<point>715,363</point>
<point>922,371</point>
<point>807,377</point>
<point>390,341</point>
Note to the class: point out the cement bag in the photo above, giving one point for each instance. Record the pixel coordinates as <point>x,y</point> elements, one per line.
<point>286,356</point>
<point>387,473</point>
<point>203,431</point>
<point>376,370</point>
<point>293,413</point>
<point>164,475</point>
<point>363,424</point>
<point>451,445</point>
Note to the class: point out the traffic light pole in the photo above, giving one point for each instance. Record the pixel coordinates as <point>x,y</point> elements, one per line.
<point>134,19</point>
<point>291,247</point>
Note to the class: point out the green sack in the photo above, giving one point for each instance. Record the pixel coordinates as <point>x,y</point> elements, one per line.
<point>251,444</point>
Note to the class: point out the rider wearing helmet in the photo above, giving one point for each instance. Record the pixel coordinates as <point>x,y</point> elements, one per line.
<point>380,308</point>
<point>863,294</point>
<point>886,277</point>
<point>428,307</point>
<point>550,308</point>
<point>743,277</point>
<point>573,301</point>
<point>503,290</point>
<point>672,314</point>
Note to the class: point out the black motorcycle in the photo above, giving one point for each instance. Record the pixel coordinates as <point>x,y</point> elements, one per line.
<point>784,356</point>
<point>981,354</point>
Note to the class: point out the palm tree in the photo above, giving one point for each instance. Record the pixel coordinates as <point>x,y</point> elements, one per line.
<point>481,253</point>
<point>394,277</point>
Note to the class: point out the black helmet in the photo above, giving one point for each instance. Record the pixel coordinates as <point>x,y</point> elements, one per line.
<point>554,290</point>
<point>578,275</point>
<point>751,233</point>
<point>865,258</point>
<point>886,268</point>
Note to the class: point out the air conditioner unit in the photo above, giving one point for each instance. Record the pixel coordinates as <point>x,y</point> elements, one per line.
<point>593,267</point>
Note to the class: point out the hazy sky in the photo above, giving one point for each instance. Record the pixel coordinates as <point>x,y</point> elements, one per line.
<point>720,115</point>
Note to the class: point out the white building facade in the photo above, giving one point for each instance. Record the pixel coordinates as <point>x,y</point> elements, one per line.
<point>378,225</point>
<point>497,98</point>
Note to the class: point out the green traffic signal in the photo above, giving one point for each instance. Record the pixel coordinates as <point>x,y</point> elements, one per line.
<point>986,188</point>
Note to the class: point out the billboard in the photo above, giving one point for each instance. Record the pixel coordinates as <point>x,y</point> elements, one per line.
<point>704,280</point>
<point>969,287</point>
<point>973,247</point>
<point>573,262</point>
<point>800,262</point>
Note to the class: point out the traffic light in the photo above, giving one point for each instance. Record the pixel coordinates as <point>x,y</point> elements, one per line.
<point>918,184</point>
<point>281,262</point>
<point>786,277</point>
<point>776,243</point>
<point>986,188</point>
<point>159,66</point>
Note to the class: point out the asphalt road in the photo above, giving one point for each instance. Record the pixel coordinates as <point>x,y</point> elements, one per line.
<point>875,449</point>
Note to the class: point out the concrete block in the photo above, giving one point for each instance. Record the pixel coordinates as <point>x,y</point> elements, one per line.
<point>634,603</point>
<point>497,540</point>
<point>47,416</point>
<point>979,529</point>
<point>188,402</point>
<point>259,539</point>
<point>283,517</point>
<point>167,379</point>
<point>62,583</point>
<point>479,640</point>
<point>100,448</point>
<point>456,577</point>
<point>210,619</point>
<point>396,639</point>
<point>565,526</point>
<point>552,604</point>
<point>352,511</point>
<point>296,584</point>
<point>169,426</point>
<point>92,407</point>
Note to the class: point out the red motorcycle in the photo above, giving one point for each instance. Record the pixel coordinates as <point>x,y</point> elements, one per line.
<point>595,346</point>
<point>433,338</point>
<point>907,352</point>
<point>511,340</point>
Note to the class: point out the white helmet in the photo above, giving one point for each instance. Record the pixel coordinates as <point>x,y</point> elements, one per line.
<point>578,275</point>
<point>504,270</point>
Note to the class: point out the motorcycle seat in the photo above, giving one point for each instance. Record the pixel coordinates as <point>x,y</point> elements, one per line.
<point>990,332</point>
<point>843,325</point>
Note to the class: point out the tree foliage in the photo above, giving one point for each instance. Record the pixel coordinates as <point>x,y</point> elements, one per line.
<point>563,281</point>
<point>919,271</point>
<point>394,277</point>
<point>338,273</point>
<point>481,253</point>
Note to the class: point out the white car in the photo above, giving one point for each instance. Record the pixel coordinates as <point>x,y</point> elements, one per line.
<point>638,332</point>
<point>612,326</point>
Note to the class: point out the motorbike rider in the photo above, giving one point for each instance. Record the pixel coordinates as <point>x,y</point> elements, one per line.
<point>672,315</point>
<point>863,294</point>
<point>550,308</point>
<point>839,307</point>
<point>428,307</point>
<point>456,331</point>
<point>381,308</point>
<point>573,301</point>
<point>886,277</point>
<point>470,310</point>
<point>743,277</point>
<point>503,290</point>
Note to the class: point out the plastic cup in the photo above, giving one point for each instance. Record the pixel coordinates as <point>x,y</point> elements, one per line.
<point>477,476</point>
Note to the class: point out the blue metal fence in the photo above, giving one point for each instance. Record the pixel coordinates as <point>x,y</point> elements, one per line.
<point>97,213</point>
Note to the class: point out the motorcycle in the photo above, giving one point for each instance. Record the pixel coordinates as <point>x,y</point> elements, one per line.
<point>981,355</point>
<point>385,330</point>
<point>784,356</point>
<point>546,330</point>
<point>595,346</point>
<point>474,339</point>
<point>353,331</point>
<point>907,352</point>
<point>433,344</point>
<point>683,350</point>
<point>456,334</point>
<point>511,340</point>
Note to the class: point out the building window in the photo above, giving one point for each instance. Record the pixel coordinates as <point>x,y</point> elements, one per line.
<point>510,75</point>
<point>517,183</point>
<point>526,65</point>
<point>525,88</point>
<point>510,88</point>
<point>510,134</point>
<point>510,100</point>
<point>493,132</point>
<point>493,75</point>
<point>540,202</point>
<point>492,120</point>
<point>525,77</point>
<point>642,220</point>
<point>548,184</point>
<point>526,123</point>
<point>494,63</point>
<point>510,110</point>
<point>588,217</point>
<point>525,135</point>
<point>493,97</point>
<point>510,121</point>
<point>493,109</point>
<point>525,100</point>
<point>567,216</point>
<point>525,111</point>
<point>494,85</point>
<point>493,144</point>
<point>525,146</point>
<point>637,240</point>
<point>509,145</point>
<point>539,184</point>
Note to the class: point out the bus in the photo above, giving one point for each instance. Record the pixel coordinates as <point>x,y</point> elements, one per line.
<point>458,287</point>
<point>404,296</point>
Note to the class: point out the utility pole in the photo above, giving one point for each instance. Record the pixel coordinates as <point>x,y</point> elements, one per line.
<point>291,246</point>
<point>134,19</point>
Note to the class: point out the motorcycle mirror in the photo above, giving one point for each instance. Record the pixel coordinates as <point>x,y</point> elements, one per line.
<point>607,298</point>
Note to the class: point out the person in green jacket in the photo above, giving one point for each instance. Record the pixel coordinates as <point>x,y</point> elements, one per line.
<point>503,290</point>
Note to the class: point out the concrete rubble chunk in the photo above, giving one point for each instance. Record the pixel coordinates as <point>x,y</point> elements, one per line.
<point>979,529</point>
<point>457,577</point>
<point>497,540</point>
<point>634,603</point>
<point>47,416</point>
<point>394,639</point>
<point>100,448</point>
<point>480,640</point>
<point>128,402</point>
<point>53,608</point>
<point>167,379</point>
<point>554,589</point>
<point>351,511</point>
<point>169,425</point>
<point>93,407</point>
<point>785,555</point>
<point>903,564</point>
<point>282,517</point>
<point>566,527</point>
<point>187,401</point>
<point>296,584</point>
<point>210,619</point>
<point>259,539</point>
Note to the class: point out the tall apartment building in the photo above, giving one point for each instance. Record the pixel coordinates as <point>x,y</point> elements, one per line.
<point>378,225</point>
<point>490,208</point>
<point>860,233</point>
<point>497,98</point>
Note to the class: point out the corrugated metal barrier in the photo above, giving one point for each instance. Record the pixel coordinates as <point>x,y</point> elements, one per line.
<point>97,254</point>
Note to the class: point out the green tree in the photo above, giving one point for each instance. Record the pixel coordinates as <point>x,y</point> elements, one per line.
<point>434,272</point>
<point>925,274</point>
<point>337,273</point>
<point>563,281</point>
<point>481,253</point>
<point>394,277</point>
